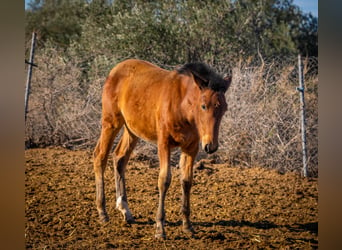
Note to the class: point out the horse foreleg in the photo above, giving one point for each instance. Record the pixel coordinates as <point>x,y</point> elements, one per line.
<point>186,166</point>
<point>164,181</point>
<point>122,153</point>
<point>100,161</point>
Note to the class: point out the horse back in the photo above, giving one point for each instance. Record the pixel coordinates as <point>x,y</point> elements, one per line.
<point>141,93</point>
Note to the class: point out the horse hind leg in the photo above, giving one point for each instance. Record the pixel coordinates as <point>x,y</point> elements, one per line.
<point>100,157</point>
<point>121,157</point>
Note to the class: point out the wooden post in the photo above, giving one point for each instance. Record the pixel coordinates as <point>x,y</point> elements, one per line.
<point>302,110</point>
<point>29,73</point>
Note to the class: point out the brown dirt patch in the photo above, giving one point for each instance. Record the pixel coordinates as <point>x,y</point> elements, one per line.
<point>232,207</point>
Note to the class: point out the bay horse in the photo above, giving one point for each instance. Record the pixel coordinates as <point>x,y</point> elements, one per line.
<point>175,108</point>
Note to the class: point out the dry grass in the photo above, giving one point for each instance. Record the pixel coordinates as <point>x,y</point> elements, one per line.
<point>262,125</point>
<point>260,128</point>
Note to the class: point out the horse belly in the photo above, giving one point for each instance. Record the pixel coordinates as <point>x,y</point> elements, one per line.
<point>142,128</point>
<point>140,120</point>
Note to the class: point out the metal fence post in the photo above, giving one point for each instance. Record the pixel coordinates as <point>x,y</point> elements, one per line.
<point>29,72</point>
<point>302,110</point>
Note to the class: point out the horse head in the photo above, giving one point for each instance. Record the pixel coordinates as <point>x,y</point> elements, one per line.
<point>210,103</point>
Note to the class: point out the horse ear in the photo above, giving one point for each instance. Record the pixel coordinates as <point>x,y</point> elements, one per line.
<point>200,81</point>
<point>227,80</point>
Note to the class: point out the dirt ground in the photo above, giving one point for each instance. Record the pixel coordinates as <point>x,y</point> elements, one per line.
<point>232,207</point>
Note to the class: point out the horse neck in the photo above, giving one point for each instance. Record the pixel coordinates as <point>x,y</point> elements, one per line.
<point>189,101</point>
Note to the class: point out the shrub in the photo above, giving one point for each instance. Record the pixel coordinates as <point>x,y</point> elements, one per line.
<point>260,128</point>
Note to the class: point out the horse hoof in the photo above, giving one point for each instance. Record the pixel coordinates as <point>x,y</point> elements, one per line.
<point>130,220</point>
<point>189,230</point>
<point>160,236</point>
<point>104,219</point>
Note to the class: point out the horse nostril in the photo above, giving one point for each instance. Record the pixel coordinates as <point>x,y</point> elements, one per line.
<point>207,148</point>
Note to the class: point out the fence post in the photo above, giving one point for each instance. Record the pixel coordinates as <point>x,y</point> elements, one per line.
<point>29,72</point>
<point>302,110</point>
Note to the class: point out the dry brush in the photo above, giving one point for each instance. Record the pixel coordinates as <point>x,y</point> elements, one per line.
<point>260,128</point>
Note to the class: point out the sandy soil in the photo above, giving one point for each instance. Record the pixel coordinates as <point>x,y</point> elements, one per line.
<point>232,207</point>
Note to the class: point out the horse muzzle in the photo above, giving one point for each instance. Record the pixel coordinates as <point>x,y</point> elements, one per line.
<point>210,148</point>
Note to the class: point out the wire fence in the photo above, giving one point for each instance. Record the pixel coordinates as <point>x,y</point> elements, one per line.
<point>260,128</point>
<point>262,125</point>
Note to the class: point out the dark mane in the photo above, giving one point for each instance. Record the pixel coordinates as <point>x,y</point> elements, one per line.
<point>207,76</point>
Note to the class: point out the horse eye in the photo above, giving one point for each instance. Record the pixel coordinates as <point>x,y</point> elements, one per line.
<point>203,107</point>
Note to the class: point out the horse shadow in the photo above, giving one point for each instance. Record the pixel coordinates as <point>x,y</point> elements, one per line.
<point>311,227</point>
<point>233,223</point>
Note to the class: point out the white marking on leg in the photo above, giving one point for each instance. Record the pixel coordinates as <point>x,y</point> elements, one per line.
<point>119,202</point>
<point>123,207</point>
